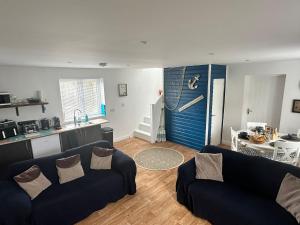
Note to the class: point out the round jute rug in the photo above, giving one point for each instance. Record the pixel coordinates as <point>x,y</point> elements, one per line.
<point>157,158</point>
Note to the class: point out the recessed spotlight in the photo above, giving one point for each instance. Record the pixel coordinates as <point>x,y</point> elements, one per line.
<point>103,64</point>
<point>211,53</point>
<point>144,42</point>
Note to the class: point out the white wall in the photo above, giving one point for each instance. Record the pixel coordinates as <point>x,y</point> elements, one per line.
<point>124,113</point>
<point>290,122</point>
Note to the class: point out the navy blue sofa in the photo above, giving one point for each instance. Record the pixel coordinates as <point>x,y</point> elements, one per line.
<point>247,195</point>
<point>63,204</point>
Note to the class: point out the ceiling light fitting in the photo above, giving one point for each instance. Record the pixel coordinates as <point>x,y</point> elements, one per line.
<point>103,64</point>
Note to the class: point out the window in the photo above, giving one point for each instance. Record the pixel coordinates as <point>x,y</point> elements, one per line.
<point>87,95</point>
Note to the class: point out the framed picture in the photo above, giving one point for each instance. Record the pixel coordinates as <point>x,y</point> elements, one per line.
<point>296,106</point>
<point>122,89</point>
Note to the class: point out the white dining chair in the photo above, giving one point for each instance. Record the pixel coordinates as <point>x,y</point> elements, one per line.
<point>234,139</point>
<point>287,152</point>
<point>252,125</point>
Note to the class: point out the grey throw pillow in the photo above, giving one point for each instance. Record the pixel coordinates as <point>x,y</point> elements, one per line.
<point>289,195</point>
<point>101,158</point>
<point>32,181</point>
<point>209,166</point>
<point>69,169</point>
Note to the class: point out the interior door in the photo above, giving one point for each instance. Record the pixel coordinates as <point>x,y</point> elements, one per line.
<point>263,99</point>
<point>217,111</point>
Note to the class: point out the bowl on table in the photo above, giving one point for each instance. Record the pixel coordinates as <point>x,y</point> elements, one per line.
<point>244,135</point>
<point>291,137</point>
<point>258,139</point>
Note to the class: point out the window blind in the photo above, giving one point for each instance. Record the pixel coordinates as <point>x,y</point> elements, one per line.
<point>87,95</point>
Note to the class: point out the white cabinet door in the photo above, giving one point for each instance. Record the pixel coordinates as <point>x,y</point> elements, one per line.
<point>45,146</point>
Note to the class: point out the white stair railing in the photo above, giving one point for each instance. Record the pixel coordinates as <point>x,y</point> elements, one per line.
<point>155,116</point>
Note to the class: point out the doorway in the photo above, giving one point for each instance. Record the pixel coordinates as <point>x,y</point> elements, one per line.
<point>263,99</point>
<point>218,87</point>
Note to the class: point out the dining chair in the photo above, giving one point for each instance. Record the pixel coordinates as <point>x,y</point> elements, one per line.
<point>234,139</point>
<point>251,125</point>
<point>287,152</point>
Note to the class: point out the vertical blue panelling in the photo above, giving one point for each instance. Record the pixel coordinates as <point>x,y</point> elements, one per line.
<point>217,72</point>
<point>189,126</point>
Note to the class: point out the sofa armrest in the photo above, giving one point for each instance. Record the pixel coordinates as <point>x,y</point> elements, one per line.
<point>186,176</point>
<point>15,204</point>
<point>126,166</point>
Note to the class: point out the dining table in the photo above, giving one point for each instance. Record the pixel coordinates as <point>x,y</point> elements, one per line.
<point>265,149</point>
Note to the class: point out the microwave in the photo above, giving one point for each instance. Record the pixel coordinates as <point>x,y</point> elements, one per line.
<point>5,98</point>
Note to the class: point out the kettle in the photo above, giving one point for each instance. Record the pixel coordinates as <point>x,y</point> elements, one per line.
<point>56,124</point>
<point>45,124</point>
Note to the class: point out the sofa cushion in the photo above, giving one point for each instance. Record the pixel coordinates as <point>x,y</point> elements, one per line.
<point>101,158</point>
<point>75,200</point>
<point>69,168</point>
<point>209,166</point>
<point>224,203</point>
<point>32,181</point>
<point>289,195</point>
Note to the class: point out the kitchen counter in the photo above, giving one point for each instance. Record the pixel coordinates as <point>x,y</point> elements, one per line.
<point>52,131</point>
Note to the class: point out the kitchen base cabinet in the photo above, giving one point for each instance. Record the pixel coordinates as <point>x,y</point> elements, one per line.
<point>79,137</point>
<point>45,146</point>
<point>70,139</point>
<point>93,134</point>
<point>14,152</point>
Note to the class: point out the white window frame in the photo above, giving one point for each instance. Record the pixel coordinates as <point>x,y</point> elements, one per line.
<point>101,92</point>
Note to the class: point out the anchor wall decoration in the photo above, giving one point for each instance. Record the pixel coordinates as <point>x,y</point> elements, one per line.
<point>193,83</point>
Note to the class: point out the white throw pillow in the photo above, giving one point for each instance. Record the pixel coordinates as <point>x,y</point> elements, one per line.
<point>209,166</point>
<point>69,169</point>
<point>289,195</point>
<point>101,158</point>
<point>32,181</point>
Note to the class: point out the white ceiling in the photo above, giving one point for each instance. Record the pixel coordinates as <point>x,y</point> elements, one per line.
<point>178,32</point>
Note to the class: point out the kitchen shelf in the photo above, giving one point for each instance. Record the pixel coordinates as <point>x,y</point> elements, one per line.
<point>17,105</point>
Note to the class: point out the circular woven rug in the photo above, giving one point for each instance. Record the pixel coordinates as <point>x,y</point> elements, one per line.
<point>159,158</point>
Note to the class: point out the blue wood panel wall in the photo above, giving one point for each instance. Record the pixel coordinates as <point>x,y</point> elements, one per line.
<point>217,72</point>
<point>189,126</point>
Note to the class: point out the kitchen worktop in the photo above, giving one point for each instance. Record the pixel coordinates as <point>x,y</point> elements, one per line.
<point>52,131</point>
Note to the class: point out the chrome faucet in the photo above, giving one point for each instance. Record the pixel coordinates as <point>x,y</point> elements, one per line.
<point>77,121</point>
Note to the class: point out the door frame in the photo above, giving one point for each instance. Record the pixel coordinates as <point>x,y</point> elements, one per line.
<point>209,103</point>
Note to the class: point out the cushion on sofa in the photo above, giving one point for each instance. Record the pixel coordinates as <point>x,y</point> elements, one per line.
<point>69,169</point>
<point>223,203</point>
<point>32,181</point>
<point>209,166</point>
<point>101,158</point>
<point>289,195</point>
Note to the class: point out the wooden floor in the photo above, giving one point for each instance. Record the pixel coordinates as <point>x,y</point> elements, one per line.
<point>155,201</point>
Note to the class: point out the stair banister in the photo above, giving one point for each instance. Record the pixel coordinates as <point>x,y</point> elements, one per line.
<point>155,116</point>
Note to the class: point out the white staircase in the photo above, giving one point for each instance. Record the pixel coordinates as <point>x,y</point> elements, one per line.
<point>144,129</point>
<point>148,128</point>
